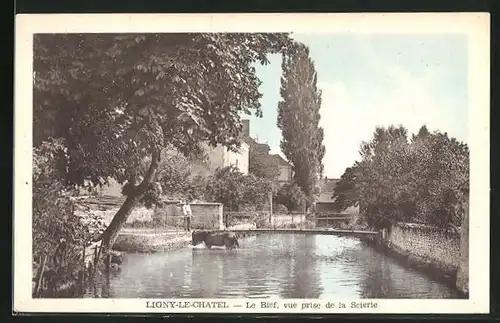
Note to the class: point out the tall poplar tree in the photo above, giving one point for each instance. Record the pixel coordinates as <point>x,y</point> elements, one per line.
<point>298,119</point>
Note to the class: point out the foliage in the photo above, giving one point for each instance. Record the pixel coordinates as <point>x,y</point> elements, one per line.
<point>261,163</point>
<point>291,196</point>
<point>279,208</point>
<point>443,165</point>
<point>119,99</point>
<point>234,189</point>
<point>58,235</point>
<point>178,177</point>
<point>345,191</point>
<point>226,186</point>
<point>114,95</point>
<point>298,119</point>
<point>397,179</point>
<point>257,191</point>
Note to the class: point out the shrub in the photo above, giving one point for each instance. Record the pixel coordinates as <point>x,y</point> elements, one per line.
<point>280,208</point>
<point>59,236</point>
<point>237,190</point>
<point>291,196</point>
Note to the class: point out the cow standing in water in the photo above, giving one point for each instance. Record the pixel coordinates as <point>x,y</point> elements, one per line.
<point>227,239</point>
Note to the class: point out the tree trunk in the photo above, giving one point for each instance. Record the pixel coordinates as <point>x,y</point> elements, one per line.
<point>39,278</point>
<point>111,233</point>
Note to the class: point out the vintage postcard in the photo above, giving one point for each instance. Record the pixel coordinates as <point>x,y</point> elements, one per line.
<point>252,163</point>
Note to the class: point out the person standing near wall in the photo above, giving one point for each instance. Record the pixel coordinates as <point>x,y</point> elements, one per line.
<point>186,209</point>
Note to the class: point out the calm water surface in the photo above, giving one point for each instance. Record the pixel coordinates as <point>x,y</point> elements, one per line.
<point>277,265</point>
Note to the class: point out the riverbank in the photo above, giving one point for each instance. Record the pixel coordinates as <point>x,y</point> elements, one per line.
<point>151,240</point>
<point>146,240</point>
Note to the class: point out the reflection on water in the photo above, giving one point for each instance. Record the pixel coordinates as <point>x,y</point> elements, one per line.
<point>277,265</point>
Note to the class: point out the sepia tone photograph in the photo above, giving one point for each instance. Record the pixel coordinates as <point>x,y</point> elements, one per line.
<point>272,165</point>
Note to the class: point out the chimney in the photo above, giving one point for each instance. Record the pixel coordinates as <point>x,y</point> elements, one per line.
<point>246,127</point>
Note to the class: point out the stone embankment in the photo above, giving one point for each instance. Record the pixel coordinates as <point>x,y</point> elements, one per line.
<point>436,252</point>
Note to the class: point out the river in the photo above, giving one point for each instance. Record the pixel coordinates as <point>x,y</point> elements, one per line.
<point>272,265</point>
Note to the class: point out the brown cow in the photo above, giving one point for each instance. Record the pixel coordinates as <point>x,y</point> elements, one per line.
<point>210,239</point>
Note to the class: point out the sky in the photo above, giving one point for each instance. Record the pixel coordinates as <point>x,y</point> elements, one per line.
<point>374,80</point>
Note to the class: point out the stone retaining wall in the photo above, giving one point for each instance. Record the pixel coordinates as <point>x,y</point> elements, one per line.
<point>439,248</point>
<point>437,252</point>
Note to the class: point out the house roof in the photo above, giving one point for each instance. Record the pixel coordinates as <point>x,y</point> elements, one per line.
<point>252,142</point>
<point>245,136</point>
<point>249,140</point>
<point>281,161</point>
<point>328,184</point>
<point>326,196</point>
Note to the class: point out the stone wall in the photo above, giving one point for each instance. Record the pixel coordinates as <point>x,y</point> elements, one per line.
<point>207,216</point>
<point>426,247</point>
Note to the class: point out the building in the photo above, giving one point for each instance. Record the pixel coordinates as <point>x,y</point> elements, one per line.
<point>325,200</point>
<point>285,170</point>
<point>220,157</point>
<point>263,148</point>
